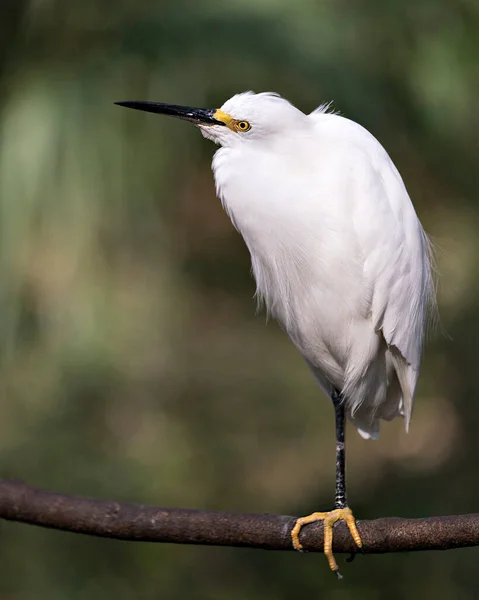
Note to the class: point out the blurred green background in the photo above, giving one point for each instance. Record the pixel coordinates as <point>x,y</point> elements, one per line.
<point>132,364</point>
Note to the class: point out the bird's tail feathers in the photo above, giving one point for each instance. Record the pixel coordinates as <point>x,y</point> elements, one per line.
<point>407,380</point>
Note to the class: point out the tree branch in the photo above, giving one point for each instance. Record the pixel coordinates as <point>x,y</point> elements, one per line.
<point>135,522</point>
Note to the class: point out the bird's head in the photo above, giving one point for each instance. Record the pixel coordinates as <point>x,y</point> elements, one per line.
<point>244,117</point>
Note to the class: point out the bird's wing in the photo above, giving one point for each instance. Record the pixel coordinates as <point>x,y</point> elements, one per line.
<point>402,295</point>
<point>394,250</point>
<point>397,266</point>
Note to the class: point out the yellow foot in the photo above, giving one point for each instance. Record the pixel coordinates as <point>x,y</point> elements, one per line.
<point>329,519</point>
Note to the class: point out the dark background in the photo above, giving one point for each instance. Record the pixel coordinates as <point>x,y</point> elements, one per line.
<point>132,364</point>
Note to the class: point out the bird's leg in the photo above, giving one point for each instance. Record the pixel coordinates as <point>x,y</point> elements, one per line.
<point>341,510</point>
<point>340,497</point>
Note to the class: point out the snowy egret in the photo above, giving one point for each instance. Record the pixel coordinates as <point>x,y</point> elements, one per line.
<point>338,253</point>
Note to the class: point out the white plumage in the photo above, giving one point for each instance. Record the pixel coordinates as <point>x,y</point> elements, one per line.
<point>338,253</point>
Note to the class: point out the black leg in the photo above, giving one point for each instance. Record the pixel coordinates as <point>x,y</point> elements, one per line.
<point>340,499</point>
<point>341,510</point>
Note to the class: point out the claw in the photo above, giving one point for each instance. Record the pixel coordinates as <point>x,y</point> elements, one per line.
<point>351,557</point>
<point>329,519</point>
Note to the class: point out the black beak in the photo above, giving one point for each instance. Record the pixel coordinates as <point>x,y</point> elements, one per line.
<point>199,116</point>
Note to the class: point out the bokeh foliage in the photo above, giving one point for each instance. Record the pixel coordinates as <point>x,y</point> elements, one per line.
<point>132,364</point>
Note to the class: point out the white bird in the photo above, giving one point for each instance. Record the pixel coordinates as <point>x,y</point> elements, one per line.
<point>338,253</point>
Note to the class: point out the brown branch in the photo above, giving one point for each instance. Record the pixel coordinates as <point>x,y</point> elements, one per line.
<point>135,522</point>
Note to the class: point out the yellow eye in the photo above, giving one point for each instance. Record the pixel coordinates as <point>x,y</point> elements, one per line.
<point>242,126</point>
